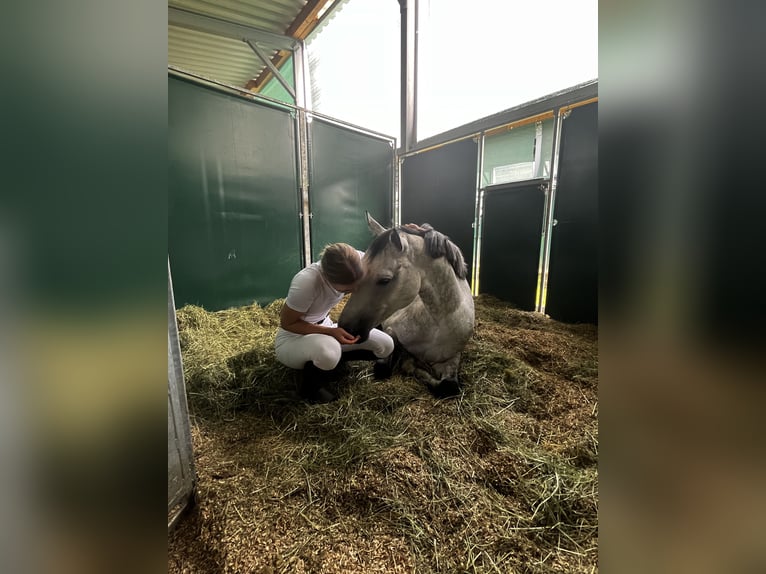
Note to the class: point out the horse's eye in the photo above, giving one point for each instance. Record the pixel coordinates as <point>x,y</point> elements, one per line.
<point>384,281</point>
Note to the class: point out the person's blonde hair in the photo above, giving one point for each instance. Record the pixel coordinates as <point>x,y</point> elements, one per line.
<point>341,264</point>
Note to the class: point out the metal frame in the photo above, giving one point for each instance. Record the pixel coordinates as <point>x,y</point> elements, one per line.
<point>548,221</point>
<point>556,100</point>
<point>478,216</point>
<point>538,147</point>
<point>397,207</point>
<point>303,143</point>
<point>272,68</point>
<point>233,90</point>
<point>409,72</point>
<point>179,412</point>
<point>301,69</point>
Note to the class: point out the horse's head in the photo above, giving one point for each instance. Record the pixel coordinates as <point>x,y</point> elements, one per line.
<point>391,281</point>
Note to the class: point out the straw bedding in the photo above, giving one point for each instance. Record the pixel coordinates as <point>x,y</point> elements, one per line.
<point>388,479</point>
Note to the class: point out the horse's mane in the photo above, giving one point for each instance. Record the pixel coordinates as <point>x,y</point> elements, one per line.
<point>437,245</point>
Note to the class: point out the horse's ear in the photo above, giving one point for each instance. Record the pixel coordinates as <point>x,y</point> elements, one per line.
<point>375,227</point>
<point>396,240</point>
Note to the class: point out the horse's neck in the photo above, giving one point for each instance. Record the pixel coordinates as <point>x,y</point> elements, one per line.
<point>439,288</point>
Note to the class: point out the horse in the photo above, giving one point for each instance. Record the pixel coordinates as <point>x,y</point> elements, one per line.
<point>415,289</point>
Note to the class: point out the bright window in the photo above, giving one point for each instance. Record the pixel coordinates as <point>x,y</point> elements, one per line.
<point>478,58</point>
<point>518,154</point>
<point>354,65</point>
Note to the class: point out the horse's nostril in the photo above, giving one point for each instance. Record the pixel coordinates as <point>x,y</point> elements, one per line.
<point>354,328</point>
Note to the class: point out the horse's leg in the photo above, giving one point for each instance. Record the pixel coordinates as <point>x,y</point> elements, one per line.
<point>448,384</point>
<point>384,368</point>
<point>444,385</point>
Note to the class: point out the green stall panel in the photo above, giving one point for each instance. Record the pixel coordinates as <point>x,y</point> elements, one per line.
<point>439,187</point>
<point>350,173</point>
<point>234,233</point>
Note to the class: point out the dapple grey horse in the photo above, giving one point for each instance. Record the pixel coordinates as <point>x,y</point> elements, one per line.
<point>415,287</point>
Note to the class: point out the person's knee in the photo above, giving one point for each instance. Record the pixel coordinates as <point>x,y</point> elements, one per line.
<point>382,344</point>
<point>327,357</point>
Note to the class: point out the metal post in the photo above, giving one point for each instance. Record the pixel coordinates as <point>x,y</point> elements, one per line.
<point>181,474</point>
<point>303,162</point>
<point>548,220</point>
<point>538,149</point>
<point>478,216</point>
<point>397,214</point>
<point>301,77</point>
<point>409,72</point>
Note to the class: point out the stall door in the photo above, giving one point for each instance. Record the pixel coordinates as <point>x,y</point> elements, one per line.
<point>234,227</point>
<point>350,173</point>
<point>439,187</point>
<point>573,273</point>
<point>510,246</point>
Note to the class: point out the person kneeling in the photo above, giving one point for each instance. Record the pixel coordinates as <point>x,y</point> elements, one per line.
<point>308,339</point>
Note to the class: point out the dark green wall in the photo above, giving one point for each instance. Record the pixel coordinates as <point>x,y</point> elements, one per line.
<point>573,274</point>
<point>234,233</point>
<point>510,245</point>
<point>234,229</point>
<point>350,173</point>
<point>439,187</point>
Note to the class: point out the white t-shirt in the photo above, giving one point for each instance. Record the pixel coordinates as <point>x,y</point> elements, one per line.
<point>311,294</point>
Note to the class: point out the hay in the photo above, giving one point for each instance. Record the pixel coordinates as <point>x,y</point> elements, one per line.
<point>228,357</point>
<point>388,479</point>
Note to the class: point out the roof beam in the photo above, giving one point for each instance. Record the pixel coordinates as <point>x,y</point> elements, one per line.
<point>265,59</point>
<point>306,20</point>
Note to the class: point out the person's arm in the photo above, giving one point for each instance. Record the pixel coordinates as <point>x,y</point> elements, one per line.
<point>290,320</point>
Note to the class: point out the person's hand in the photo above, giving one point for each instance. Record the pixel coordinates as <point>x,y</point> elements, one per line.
<point>344,337</point>
<point>413,227</point>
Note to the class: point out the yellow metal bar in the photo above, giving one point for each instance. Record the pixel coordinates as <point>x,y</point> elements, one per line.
<point>519,123</point>
<point>578,104</point>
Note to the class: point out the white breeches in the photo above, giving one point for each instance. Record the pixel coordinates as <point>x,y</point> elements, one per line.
<point>294,350</point>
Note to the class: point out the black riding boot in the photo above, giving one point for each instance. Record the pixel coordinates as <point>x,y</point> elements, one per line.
<point>313,384</point>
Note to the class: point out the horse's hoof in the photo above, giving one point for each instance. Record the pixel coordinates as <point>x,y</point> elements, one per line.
<point>382,369</point>
<point>446,389</point>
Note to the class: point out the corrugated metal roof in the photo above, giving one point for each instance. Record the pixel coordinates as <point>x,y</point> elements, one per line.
<point>271,15</point>
<point>227,59</point>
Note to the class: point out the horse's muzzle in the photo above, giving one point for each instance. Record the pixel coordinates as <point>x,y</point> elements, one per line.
<point>355,328</point>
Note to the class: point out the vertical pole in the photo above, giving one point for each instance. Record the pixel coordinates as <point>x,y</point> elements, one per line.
<point>409,67</point>
<point>301,76</point>
<point>397,215</point>
<point>304,183</point>
<point>548,220</point>
<point>538,149</point>
<point>302,98</point>
<point>478,216</point>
